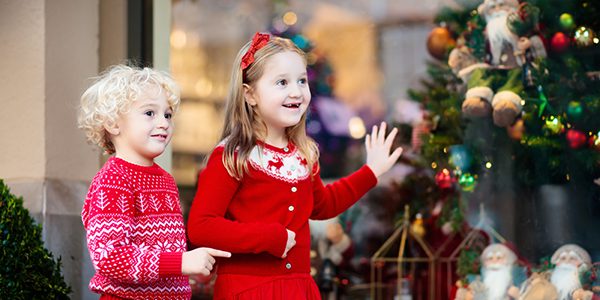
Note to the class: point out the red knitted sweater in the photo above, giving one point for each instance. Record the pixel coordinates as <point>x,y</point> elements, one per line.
<point>249,217</point>
<point>135,232</point>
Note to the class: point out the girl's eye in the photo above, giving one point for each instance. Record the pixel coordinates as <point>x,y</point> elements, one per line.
<point>149,113</point>
<point>282,82</point>
<point>168,116</point>
<point>302,81</point>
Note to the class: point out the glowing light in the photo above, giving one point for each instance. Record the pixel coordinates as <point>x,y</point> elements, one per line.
<point>357,127</point>
<point>488,165</point>
<point>433,165</point>
<point>178,38</point>
<point>290,18</point>
<point>203,88</point>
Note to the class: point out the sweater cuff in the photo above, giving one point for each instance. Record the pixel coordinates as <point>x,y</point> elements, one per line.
<point>277,240</point>
<point>363,180</point>
<point>170,264</point>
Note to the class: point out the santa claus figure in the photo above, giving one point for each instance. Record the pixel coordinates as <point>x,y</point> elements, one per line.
<point>571,261</point>
<point>498,262</point>
<point>495,87</point>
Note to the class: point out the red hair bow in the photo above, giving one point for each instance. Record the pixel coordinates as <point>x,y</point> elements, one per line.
<point>258,41</point>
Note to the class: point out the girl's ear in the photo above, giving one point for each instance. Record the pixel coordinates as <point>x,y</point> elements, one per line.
<point>112,128</point>
<point>249,95</point>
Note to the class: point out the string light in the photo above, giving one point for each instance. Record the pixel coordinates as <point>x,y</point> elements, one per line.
<point>178,39</point>
<point>290,18</point>
<point>357,127</point>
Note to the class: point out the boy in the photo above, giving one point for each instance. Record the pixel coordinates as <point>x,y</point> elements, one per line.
<point>135,230</point>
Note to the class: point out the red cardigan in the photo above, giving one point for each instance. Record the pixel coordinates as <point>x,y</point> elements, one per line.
<point>135,232</point>
<point>249,217</point>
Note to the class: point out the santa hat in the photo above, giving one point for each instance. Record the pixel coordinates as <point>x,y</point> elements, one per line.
<point>483,7</point>
<point>583,255</point>
<point>511,257</point>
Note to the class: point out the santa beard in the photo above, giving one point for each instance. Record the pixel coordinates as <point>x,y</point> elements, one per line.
<point>497,279</point>
<point>498,34</point>
<point>565,278</point>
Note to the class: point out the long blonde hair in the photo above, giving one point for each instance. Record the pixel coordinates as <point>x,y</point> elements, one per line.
<point>243,126</point>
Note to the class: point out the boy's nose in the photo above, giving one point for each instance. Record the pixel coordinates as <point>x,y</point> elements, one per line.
<point>163,122</point>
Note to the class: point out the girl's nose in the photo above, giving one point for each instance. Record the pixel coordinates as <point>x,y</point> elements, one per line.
<point>295,91</point>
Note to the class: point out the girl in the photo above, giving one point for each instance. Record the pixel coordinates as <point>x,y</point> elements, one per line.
<point>261,183</point>
<point>135,229</point>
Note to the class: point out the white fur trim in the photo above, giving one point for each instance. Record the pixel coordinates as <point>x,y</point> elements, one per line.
<point>512,96</point>
<point>467,70</point>
<point>583,255</point>
<point>483,92</point>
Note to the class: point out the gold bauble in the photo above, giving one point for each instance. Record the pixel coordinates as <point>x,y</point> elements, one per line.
<point>438,42</point>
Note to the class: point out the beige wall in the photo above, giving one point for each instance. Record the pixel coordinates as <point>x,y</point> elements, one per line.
<point>71,42</point>
<point>22,84</point>
<point>49,49</point>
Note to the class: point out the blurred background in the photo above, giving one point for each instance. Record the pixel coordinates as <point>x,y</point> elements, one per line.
<point>369,61</point>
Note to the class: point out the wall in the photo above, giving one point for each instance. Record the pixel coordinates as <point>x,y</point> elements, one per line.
<point>49,50</point>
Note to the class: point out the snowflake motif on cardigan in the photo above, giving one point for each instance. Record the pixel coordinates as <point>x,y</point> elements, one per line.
<point>135,232</point>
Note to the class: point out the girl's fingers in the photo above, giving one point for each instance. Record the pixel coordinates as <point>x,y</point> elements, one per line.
<point>374,135</point>
<point>396,154</point>
<point>390,138</point>
<point>368,142</point>
<point>381,136</point>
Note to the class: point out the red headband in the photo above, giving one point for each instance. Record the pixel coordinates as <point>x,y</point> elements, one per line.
<point>258,41</point>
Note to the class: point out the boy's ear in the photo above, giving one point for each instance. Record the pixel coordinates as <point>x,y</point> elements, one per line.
<point>112,128</point>
<point>249,95</point>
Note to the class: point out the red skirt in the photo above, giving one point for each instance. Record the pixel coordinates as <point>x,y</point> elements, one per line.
<point>251,287</point>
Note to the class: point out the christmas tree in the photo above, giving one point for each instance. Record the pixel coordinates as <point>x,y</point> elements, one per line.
<point>27,269</point>
<point>512,101</point>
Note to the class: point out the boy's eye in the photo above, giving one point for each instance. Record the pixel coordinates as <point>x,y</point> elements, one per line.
<point>149,113</point>
<point>168,115</point>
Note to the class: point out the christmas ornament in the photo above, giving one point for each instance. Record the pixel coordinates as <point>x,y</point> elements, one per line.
<point>460,157</point>
<point>559,42</point>
<point>594,141</point>
<point>467,182</point>
<point>574,110</point>
<point>517,130</point>
<point>554,125</point>
<point>444,179</point>
<point>584,36</point>
<point>543,100</point>
<point>576,138</point>
<point>417,226</point>
<point>438,41</point>
<point>566,21</point>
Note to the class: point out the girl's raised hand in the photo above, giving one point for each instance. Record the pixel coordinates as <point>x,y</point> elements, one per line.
<point>378,147</point>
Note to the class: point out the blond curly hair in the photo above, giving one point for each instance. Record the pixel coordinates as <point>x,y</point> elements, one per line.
<point>111,95</point>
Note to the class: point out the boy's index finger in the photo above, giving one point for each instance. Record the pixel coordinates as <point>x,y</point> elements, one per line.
<point>219,253</point>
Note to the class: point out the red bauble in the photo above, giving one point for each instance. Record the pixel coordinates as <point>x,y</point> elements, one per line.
<point>560,42</point>
<point>576,138</point>
<point>444,179</point>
